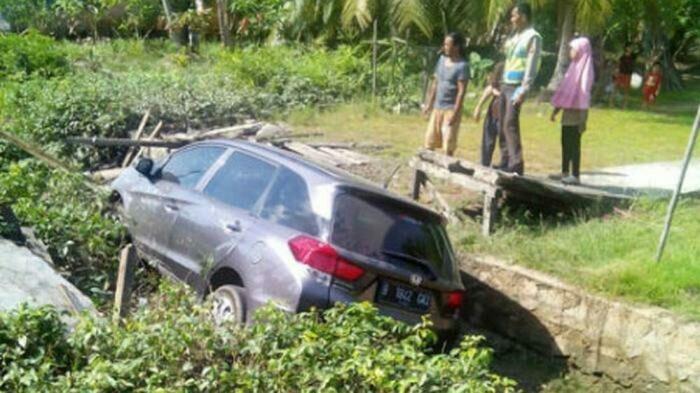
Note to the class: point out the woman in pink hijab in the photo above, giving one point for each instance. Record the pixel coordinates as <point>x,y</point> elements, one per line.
<point>573,97</point>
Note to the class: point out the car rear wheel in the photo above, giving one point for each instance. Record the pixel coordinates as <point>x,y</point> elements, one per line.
<point>228,304</point>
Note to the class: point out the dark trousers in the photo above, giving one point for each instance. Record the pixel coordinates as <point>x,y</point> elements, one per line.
<point>512,154</point>
<point>491,133</point>
<point>571,149</point>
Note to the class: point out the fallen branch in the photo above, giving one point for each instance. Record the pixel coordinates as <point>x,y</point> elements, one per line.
<point>36,152</point>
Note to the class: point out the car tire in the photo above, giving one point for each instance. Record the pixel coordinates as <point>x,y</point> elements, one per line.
<point>228,305</point>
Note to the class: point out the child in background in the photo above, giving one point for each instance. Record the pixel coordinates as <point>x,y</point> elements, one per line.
<point>652,85</point>
<point>491,129</point>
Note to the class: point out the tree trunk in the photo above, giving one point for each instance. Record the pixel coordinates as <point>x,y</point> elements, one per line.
<point>566,15</point>
<point>169,17</point>
<point>222,16</point>
<point>194,35</point>
<point>672,79</point>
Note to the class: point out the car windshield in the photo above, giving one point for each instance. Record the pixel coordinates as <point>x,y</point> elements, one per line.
<point>380,228</point>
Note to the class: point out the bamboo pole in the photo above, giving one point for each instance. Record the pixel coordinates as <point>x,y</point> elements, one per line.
<point>679,187</point>
<point>374,59</point>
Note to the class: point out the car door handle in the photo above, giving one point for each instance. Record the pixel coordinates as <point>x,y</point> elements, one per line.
<point>235,227</point>
<point>171,207</point>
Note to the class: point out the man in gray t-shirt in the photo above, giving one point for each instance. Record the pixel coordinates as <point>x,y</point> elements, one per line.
<point>448,78</point>
<point>446,96</point>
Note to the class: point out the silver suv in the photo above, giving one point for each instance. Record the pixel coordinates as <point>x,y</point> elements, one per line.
<point>251,224</point>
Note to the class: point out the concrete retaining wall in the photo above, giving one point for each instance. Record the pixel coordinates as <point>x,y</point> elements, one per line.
<point>638,346</point>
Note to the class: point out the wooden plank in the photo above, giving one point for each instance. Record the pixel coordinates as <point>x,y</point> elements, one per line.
<point>232,132</point>
<point>349,145</point>
<point>130,153</point>
<point>338,156</point>
<point>128,261</point>
<point>107,175</point>
<point>359,157</point>
<point>455,178</point>
<point>311,153</point>
<point>456,165</point>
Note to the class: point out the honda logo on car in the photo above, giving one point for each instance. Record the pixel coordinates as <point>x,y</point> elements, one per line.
<point>416,280</point>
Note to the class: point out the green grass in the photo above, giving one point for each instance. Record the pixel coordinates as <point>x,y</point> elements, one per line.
<point>614,137</point>
<point>612,255</point>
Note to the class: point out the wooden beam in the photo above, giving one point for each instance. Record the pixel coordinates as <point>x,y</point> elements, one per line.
<point>99,141</point>
<point>128,261</point>
<point>455,178</point>
<point>155,134</point>
<point>418,180</point>
<point>339,156</point>
<point>311,153</point>
<point>490,212</point>
<point>441,201</point>
<point>130,153</point>
<point>107,175</point>
<point>456,165</point>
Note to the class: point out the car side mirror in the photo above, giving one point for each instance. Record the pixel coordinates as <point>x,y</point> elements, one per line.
<point>144,166</point>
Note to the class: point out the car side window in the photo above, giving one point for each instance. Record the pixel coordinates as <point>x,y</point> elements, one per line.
<point>288,204</point>
<point>187,167</point>
<point>241,181</point>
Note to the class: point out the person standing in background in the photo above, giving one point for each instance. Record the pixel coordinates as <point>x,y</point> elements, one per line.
<point>446,96</point>
<point>522,51</point>
<point>573,96</point>
<point>624,74</point>
<point>491,129</point>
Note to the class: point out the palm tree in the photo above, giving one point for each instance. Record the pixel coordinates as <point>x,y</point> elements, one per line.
<point>424,19</point>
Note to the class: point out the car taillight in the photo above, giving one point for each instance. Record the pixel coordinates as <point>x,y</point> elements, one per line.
<point>322,256</point>
<point>453,300</point>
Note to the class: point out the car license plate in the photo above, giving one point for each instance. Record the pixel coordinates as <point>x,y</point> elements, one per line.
<point>403,296</point>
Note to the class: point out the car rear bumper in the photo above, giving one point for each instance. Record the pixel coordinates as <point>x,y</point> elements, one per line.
<point>315,294</point>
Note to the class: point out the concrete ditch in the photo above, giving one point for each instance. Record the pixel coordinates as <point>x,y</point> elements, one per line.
<point>643,348</point>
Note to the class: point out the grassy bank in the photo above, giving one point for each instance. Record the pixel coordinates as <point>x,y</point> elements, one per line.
<point>611,255</point>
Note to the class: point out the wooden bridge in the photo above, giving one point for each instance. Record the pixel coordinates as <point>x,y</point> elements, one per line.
<point>496,185</point>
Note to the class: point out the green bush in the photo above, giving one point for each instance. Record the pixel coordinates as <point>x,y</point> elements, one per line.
<point>69,217</point>
<point>172,345</point>
<point>299,76</point>
<point>30,54</point>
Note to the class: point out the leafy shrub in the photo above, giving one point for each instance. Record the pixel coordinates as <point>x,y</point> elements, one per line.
<point>298,75</point>
<point>30,54</point>
<point>173,345</point>
<point>68,217</point>
<point>33,348</point>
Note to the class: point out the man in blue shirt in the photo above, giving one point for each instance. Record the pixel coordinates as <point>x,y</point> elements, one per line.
<point>446,96</point>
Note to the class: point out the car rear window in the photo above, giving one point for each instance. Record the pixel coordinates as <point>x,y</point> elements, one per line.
<point>380,228</point>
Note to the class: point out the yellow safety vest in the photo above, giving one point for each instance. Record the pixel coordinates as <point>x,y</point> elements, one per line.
<point>516,56</point>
